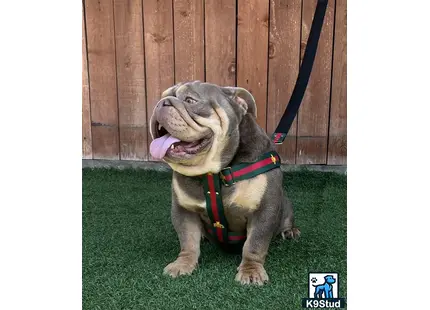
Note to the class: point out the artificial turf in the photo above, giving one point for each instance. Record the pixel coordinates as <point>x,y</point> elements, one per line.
<point>128,239</point>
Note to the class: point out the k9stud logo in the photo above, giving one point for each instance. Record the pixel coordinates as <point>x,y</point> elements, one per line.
<point>323,291</point>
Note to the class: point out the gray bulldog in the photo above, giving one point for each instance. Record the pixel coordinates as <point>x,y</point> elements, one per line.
<point>200,128</point>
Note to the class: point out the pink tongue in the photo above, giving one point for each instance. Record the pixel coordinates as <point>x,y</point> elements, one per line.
<point>159,146</point>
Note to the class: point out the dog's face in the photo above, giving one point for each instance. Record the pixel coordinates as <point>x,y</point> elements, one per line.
<point>329,279</point>
<point>195,126</point>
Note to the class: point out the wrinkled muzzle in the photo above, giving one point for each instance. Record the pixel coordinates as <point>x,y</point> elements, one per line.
<point>175,132</point>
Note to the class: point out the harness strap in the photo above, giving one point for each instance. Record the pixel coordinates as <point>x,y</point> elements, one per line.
<point>233,237</point>
<point>228,176</point>
<point>266,162</point>
<point>214,206</point>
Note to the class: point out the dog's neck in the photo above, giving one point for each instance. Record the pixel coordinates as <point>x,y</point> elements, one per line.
<point>253,141</point>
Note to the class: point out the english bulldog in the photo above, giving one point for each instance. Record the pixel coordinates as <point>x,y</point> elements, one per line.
<point>199,128</point>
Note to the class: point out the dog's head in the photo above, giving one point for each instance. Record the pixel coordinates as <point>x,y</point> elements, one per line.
<point>195,126</point>
<point>329,279</point>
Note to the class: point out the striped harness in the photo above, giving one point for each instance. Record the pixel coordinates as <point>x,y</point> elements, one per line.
<point>227,177</point>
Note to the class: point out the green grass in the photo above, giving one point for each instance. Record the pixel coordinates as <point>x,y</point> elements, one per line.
<point>128,239</point>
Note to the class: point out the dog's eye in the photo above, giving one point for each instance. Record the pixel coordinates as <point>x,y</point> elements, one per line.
<point>190,100</point>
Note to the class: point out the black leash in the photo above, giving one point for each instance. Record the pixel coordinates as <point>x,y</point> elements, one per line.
<point>304,74</point>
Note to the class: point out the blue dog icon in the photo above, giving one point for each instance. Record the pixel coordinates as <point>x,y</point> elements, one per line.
<point>326,288</point>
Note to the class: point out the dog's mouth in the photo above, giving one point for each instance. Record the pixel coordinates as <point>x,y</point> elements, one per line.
<point>166,146</point>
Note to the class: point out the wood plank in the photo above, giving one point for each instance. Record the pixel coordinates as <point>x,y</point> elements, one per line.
<point>284,62</point>
<point>252,45</point>
<point>189,40</point>
<point>130,61</point>
<point>158,31</point>
<point>220,41</point>
<point>102,73</point>
<point>337,133</point>
<point>87,147</point>
<point>314,111</point>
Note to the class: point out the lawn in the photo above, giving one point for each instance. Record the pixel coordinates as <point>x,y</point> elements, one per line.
<point>128,239</point>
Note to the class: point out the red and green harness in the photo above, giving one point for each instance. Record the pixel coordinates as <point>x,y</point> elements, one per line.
<point>212,184</point>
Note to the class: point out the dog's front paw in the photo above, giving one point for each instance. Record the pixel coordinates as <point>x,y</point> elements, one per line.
<point>252,273</point>
<point>180,267</point>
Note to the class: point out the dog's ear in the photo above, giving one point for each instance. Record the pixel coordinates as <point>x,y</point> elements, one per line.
<point>171,90</point>
<point>243,98</point>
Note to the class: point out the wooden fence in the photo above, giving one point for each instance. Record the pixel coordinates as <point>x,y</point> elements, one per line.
<point>134,49</point>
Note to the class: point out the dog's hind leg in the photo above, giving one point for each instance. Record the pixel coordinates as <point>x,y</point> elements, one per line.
<point>288,229</point>
<point>318,293</point>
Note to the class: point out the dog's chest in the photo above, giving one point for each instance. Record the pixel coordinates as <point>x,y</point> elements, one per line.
<point>245,195</point>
